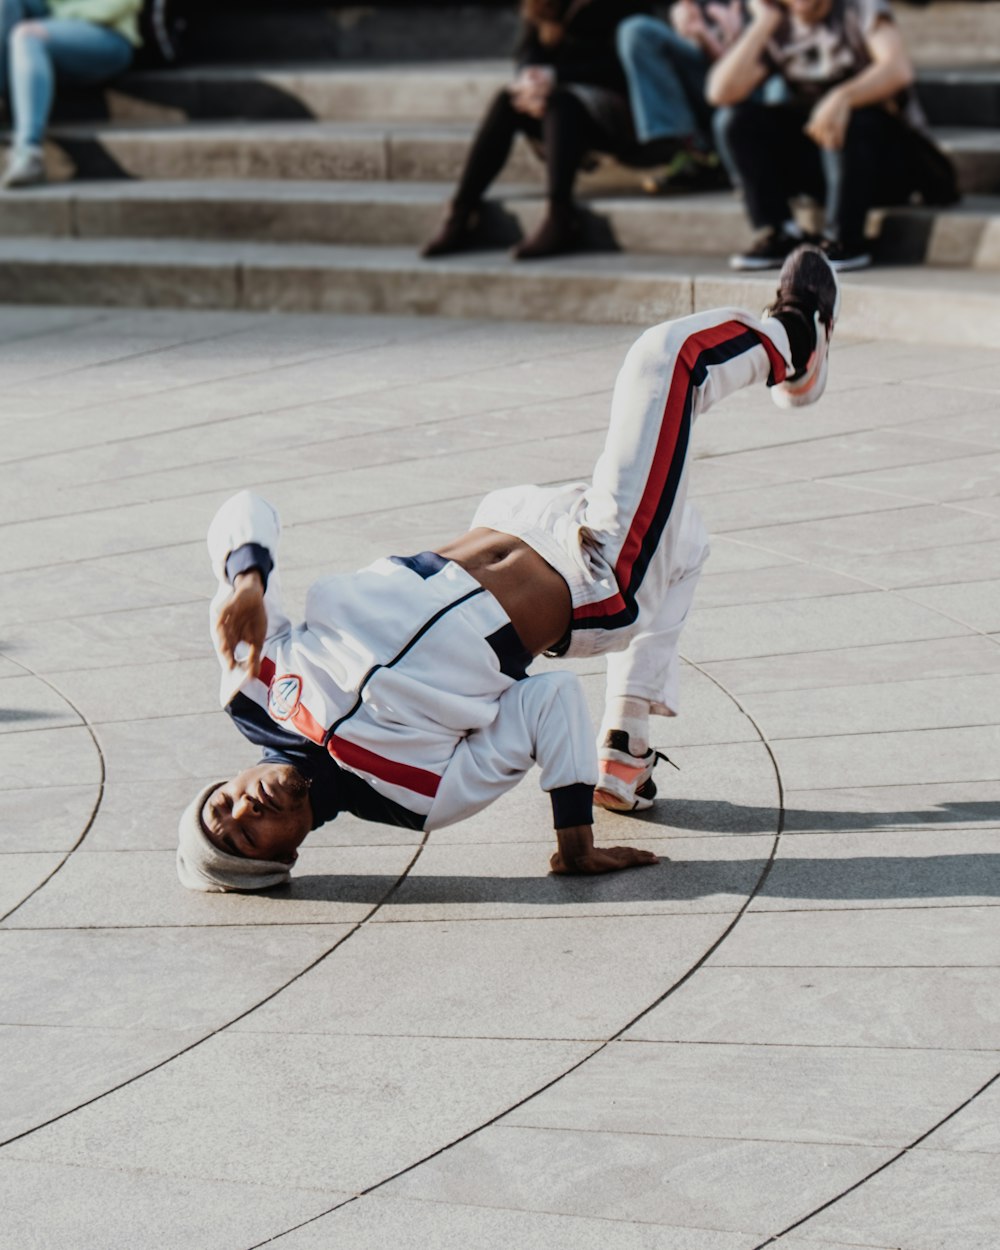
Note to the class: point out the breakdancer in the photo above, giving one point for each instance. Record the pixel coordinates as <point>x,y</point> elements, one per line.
<point>403,696</point>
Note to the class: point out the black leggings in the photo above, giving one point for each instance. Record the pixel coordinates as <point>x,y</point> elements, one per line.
<point>777,160</point>
<point>567,132</point>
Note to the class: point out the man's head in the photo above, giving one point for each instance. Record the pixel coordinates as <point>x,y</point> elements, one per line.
<point>244,834</point>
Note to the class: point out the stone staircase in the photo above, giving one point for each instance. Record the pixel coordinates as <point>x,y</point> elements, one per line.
<point>307,187</point>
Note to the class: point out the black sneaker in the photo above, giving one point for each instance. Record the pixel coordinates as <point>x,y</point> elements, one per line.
<point>687,173</point>
<point>844,257</point>
<point>808,289</point>
<point>767,252</point>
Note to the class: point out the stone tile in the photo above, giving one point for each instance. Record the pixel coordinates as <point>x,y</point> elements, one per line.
<point>772,585</point>
<point>925,566</point>
<point>46,819</point>
<point>868,665</point>
<point>77,1208</point>
<point>374,1222</point>
<point>949,1009</point>
<point>45,1072</point>
<point>863,450</point>
<point>968,476</point>
<point>510,978</point>
<point>782,504</point>
<point>38,596</point>
<point>975,426</point>
<point>976,1128</point>
<point>169,689</point>
<point>945,805</point>
<point>338,1113</point>
<point>893,758</point>
<point>174,748</point>
<point>688,1182</point>
<point>976,604</point>
<point>65,756</point>
<point>163,979</point>
<point>28,704</point>
<point>821,1094</point>
<point>139,889</point>
<point>178,631</point>
<point>926,703</point>
<point>839,542</point>
<point>23,873</point>
<point>731,556</point>
<point>917,937</point>
<point>845,870</point>
<point>510,881</point>
<point>796,625</point>
<point>928,1200</point>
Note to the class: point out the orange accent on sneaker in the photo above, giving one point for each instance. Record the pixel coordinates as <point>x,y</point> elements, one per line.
<point>624,772</point>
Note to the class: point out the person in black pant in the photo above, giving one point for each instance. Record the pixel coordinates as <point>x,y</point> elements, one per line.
<point>851,133</point>
<point>570,96</point>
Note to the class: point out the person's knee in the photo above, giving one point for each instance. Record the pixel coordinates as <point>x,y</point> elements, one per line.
<point>637,37</point>
<point>27,31</point>
<point>734,123</point>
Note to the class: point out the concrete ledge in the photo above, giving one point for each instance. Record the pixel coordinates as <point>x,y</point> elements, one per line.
<point>617,289</point>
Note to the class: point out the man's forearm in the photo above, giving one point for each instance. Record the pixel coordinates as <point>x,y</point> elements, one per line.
<point>740,71</point>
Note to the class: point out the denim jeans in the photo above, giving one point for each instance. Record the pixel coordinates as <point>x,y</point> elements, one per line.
<point>666,80</point>
<point>35,48</point>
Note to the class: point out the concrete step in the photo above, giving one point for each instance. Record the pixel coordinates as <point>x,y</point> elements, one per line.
<point>450,92</point>
<point>944,32</point>
<point>915,304</point>
<point>365,150</point>
<point>405,214</point>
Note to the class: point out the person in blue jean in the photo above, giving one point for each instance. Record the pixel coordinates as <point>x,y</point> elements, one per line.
<point>666,65</point>
<point>83,41</point>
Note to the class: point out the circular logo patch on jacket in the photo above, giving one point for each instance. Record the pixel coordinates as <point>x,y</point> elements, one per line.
<point>283,696</point>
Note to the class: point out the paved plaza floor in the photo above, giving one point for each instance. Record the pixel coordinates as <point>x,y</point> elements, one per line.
<point>787,1032</point>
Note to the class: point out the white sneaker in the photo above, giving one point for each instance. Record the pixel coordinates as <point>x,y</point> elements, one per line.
<point>807,286</point>
<point>25,168</point>
<point>625,781</point>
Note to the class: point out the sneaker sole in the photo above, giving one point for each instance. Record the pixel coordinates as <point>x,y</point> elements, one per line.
<point>851,264</point>
<point>751,264</point>
<point>612,803</point>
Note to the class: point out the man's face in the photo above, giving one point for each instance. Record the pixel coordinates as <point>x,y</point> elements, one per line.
<point>808,11</point>
<point>263,813</point>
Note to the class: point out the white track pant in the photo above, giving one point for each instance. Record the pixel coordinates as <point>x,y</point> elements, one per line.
<point>629,545</point>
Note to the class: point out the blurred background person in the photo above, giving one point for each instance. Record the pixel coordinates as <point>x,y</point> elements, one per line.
<point>569,97</point>
<point>849,132</point>
<point>666,65</point>
<point>81,41</point>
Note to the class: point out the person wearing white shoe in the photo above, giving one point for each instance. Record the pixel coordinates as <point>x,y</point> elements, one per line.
<point>82,41</point>
<point>403,696</point>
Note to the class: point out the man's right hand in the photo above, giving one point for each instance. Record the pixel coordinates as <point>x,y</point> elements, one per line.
<point>243,618</point>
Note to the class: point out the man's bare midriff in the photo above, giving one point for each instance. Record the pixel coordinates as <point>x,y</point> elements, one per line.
<point>528,588</point>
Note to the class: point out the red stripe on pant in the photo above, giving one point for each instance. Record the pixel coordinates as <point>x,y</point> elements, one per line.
<point>666,446</point>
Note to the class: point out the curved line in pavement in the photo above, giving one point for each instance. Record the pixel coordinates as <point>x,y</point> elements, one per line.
<point>88,825</point>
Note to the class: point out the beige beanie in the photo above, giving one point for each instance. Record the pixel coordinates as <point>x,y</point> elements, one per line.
<point>202,866</point>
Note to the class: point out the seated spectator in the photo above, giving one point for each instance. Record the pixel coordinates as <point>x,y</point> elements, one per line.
<point>569,95</point>
<point>83,41</point>
<point>850,132</point>
<point>666,67</point>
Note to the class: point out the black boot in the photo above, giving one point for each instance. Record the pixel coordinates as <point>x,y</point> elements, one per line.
<point>558,233</point>
<point>454,233</point>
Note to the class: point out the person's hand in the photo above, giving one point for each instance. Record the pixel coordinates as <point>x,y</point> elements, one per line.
<point>765,11</point>
<point>243,618</point>
<point>687,19</point>
<point>530,90</point>
<point>602,859</point>
<point>828,122</point>
<point>577,855</point>
<point>727,20</point>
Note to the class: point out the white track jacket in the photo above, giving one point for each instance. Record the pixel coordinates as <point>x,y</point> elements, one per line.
<point>403,693</point>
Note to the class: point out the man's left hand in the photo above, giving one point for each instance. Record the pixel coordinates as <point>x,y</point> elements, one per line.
<point>577,855</point>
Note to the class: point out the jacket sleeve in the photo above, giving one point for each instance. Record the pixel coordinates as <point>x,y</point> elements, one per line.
<point>541,720</point>
<point>243,535</point>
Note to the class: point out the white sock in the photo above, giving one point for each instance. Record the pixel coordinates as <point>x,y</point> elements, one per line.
<point>631,715</point>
